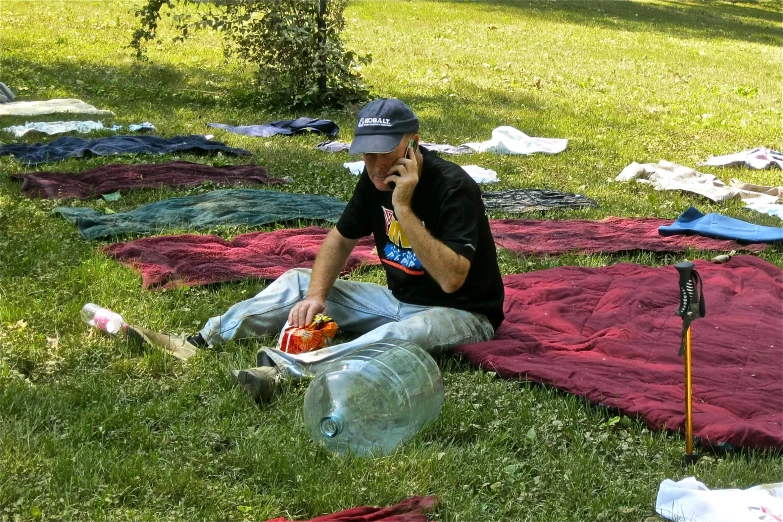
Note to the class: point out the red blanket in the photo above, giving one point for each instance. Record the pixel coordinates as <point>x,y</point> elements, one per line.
<point>121,176</point>
<point>410,510</point>
<point>610,334</point>
<point>196,260</point>
<point>555,237</point>
<point>191,259</point>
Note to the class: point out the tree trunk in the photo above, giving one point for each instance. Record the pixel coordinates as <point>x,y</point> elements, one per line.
<point>322,44</point>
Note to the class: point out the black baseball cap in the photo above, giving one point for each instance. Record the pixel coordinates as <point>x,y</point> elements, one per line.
<point>381,126</point>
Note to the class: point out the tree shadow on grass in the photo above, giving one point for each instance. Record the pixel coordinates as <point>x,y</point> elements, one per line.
<point>130,83</point>
<point>163,91</point>
<point>746,21</point>
<point>175,97</point>
<point>137,87</point>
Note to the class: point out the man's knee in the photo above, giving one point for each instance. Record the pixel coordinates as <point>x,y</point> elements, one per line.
<point>302,274</point>
<point>439,328</point>
<point>416,329</point>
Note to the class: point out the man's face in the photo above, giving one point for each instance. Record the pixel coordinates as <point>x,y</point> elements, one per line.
<point>378,165</point>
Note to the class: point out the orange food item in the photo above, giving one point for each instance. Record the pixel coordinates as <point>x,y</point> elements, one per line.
<point>317,335</point>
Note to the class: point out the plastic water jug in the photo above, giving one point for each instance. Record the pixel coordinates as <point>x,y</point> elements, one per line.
<point>374,399</point>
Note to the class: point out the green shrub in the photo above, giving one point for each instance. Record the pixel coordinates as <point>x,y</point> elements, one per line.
<point>295,44</point>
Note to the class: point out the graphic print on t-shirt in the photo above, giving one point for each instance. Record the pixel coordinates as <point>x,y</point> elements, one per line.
<point>398,252</point>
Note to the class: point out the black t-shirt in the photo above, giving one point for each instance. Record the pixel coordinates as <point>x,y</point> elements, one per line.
<point>448,202</point>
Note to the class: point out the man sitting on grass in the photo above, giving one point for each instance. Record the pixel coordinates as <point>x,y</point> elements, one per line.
<point>434,241</point>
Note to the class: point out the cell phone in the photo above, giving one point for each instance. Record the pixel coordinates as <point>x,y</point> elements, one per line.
<point>411,145</point>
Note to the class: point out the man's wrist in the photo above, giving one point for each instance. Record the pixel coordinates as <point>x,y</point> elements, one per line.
<point>315,297</point>
<point>402,210</point>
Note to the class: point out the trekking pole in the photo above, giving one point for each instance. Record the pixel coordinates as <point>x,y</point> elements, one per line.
<point>691,308</point>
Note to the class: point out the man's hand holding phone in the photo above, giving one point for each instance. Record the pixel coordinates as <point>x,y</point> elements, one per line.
<point>404,176</point>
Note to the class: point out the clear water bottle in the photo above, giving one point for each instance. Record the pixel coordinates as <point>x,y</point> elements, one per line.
<point>374,399</point>
<point>103,318</point>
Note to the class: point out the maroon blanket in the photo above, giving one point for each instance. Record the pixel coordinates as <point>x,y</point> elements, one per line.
<point>555,237</point>
<point>191,259</point>
<point>196,260</point>
<point>610,334</point>
<point>120,176</point>
<point>412,509</point>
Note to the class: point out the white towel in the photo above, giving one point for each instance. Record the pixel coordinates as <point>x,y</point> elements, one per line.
<point>666,175</point>
<point>758,158</point>
<point>480,174</point>
<point>59,127</point>
<point>55,127</point>
<point>57,106</point>
<point>354,167</point>
<point>508,140</point>
<point>691,500</point>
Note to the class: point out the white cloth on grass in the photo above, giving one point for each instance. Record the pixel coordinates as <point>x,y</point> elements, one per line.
<point>690,500</point>
<point>761,198</point>
<point>771,209</point>
<point>59,127</point>
<point>479,174</point>
<point>333,146</point>
<point>753,190</point>
<point>666,175</point>
<point>508,140</point>
<point>354,167</point>
<point>54,127</point>
<point>56,106</point>
<point>758,158</point>
<point>136,127</point>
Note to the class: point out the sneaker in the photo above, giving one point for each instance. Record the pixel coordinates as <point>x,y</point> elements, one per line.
<point>260,383</point>
<point>198,341</point>
<point>176,345</point>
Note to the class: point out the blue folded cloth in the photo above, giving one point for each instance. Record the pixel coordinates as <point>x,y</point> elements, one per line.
<point>286,127</point>
<point>721,227</point>
<point>72,147</point>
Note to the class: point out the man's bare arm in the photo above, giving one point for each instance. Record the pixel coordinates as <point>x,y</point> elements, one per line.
<point>329,263</point>
<point>447,267</point>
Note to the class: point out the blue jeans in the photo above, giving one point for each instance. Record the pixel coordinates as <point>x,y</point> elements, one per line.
<point>365,308</point>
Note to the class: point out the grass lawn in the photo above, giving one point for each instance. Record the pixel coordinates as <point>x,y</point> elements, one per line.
<point>92,429</point>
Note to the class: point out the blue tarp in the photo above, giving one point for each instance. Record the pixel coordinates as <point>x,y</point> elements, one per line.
<point>721,227</point>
